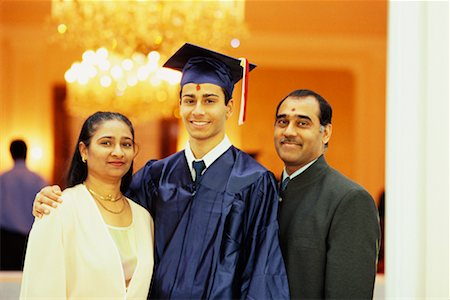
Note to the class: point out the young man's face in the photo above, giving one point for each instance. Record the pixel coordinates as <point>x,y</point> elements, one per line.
<point>204,112</point>
<point>299,138</point>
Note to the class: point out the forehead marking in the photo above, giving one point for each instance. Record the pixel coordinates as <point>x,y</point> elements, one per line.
<point>293,109</point>
<point>197,87</point>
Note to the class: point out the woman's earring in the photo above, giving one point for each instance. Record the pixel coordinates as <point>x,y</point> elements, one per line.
<point>83,159</point>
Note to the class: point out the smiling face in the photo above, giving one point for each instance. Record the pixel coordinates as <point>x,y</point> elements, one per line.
<point>299,138</point>
<point>204,113</point>
<point>110,152</point>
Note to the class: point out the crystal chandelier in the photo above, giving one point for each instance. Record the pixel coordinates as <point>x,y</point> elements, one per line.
<point>126,43</point>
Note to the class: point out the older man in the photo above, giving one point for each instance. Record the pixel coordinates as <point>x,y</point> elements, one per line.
<point>329,230</point>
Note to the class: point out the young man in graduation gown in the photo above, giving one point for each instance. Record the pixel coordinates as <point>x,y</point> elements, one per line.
<point>216,228</point>
<point>214,207</point>
<point>329,231</point>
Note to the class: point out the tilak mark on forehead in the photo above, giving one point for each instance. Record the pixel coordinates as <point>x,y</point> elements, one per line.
<point>293,109</point>
<point>197,87</point>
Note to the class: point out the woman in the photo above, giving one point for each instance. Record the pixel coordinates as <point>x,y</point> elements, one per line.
<point>98,244</point>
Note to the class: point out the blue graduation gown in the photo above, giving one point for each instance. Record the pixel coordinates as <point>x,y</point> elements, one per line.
<point>216,240</point>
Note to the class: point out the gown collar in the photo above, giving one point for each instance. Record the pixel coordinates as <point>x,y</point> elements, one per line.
<point>209,157</point>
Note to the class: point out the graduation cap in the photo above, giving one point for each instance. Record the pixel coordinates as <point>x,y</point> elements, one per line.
<point>201,65</point>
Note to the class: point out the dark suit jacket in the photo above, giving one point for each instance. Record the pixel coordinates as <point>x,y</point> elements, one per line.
<point>329,233</point>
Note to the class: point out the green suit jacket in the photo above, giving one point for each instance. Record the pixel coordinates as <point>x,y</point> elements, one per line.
<point>329,233</point>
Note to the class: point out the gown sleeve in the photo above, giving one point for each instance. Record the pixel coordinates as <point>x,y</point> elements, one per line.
<point>141,186</point>
<point>264,275</point>
<point>44,274</point>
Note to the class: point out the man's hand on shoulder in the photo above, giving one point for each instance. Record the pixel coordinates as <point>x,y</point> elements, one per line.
<point>49,196</point>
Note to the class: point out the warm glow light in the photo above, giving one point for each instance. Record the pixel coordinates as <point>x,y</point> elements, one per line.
<point>235,43</point>
<point>116,72</point>
<point>86,70</point>
<point>82,79</point>
<point>70,76</point>
<point>127,64</point>
<point>94,64</point>
<point>172,76</point>
<point>155,81</point>
<point>152,66</point>
<point>102,53</point>
<point>143,73</point>
<point>142,26</point>
<point>62,28</point>
<point>90,57</point>
<point>105,81</point>
<point>139,58</point>
<point>153,56</point>
<point>132,39</point>
<point>132,81</point>
<point>36,153</point>
<point>104,65</point>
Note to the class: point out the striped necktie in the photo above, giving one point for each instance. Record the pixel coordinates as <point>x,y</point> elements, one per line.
<point>198,166</point>
<point>285,183</point>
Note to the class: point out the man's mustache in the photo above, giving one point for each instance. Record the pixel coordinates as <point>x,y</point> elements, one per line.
<point>290,141</point>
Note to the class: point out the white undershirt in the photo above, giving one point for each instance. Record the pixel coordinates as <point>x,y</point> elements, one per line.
<point>125,240</point>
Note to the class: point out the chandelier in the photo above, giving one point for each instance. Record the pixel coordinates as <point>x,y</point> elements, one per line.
<point>125,44</point>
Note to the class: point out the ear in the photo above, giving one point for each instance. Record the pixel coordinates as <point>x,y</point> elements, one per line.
<point>229,108</point>
<point>326,133</point>
<point>83,150</point>
<point>136,150</point>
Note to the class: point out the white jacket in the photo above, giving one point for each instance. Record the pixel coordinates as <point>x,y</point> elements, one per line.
<point>71,254</point>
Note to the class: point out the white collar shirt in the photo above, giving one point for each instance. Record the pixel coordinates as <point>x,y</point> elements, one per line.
<point>298,172</point>
<point>209,157</point>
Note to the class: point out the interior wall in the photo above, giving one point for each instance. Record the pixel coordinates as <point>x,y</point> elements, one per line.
<point>349,72</point>
<point>337,86</point>
<point>25,99</point>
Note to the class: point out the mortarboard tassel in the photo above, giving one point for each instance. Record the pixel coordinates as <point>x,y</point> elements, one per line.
<point>242,111</point>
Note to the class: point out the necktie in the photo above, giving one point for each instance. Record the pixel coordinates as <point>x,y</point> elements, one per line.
<point>285,183</point>
<point>198,166</point>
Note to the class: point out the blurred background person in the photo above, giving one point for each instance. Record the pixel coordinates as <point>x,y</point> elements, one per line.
<point>380,266</point>
<point>98,243</point>
<point>18,187</point>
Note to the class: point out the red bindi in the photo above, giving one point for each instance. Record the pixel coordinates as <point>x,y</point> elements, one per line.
<point>293,109</point>
<point>198,87</point>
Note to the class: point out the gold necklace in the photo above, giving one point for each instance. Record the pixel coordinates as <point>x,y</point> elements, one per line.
<point>104,198</point>
<point>110,210</point>
<point>97,197</point>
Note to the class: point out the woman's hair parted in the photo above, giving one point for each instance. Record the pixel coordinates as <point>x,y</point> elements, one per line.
<point>77,172</point>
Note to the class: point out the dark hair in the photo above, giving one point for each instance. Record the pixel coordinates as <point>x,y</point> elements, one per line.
<point>325,112</point>
<point>78,169</point>
<point>18,149</point>
<point>227,97</point>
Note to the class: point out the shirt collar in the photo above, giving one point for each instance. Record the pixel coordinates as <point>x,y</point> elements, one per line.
<point>298,172</point>
<point>209,157</point>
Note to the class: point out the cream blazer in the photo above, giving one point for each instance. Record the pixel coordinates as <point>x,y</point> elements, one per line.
<point>71,255</point>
